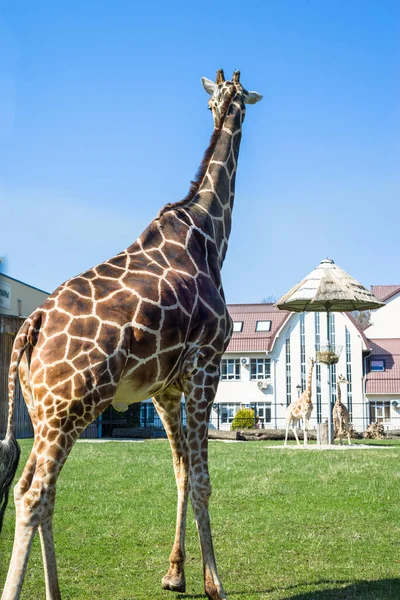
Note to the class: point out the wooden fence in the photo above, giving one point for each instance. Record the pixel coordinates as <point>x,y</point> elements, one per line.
<point>9,327</point>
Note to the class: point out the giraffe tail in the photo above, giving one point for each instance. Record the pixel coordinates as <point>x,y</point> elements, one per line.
<point>9,448</point>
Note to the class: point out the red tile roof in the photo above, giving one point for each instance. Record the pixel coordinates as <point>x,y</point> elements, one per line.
<point>383,292</point>
<point>387,381</point>
<point>250,340</point>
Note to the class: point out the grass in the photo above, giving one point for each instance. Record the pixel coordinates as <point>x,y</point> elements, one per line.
<point>298,525</point>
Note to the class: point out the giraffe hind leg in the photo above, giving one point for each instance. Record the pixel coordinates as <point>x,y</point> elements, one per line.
<point>169,410</point>
<point>198,407</point>
<point>34,502</point>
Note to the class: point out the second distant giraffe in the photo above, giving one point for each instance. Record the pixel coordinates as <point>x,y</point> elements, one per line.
<point>340,414</point>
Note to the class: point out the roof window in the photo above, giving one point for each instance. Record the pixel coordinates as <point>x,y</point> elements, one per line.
<point>237,326</point>
<point>263,326</point>
<point>377,365</point>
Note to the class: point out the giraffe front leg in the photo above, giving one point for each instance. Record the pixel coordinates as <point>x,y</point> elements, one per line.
<point>169,408</point>
<point>295,433</point>
<point>348,434</point>
<point>341,433</point>
<point>287,431</point>
<point>305,427</point>
<point>198,408</point>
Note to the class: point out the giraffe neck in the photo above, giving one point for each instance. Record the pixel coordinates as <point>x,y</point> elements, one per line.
<point>210,200</point>
<point>339,394</point>
<point>214,201</point>
<point>309,380</point>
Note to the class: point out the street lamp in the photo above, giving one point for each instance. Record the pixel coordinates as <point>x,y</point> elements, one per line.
<point>298,388</point>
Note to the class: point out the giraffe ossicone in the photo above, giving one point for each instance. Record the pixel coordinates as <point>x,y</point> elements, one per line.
<point>149,322</point>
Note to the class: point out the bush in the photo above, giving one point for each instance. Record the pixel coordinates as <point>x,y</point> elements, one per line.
<point>244,419</point>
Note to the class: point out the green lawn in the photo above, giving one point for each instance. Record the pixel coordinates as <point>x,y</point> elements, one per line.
<point>286,524</point>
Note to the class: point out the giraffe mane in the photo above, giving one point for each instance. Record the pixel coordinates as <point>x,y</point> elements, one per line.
<point>195,183</point>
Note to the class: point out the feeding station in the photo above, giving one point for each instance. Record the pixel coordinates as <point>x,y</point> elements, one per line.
<point>328,289</point>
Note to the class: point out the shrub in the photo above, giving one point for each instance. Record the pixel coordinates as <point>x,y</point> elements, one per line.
<point>244,419</point>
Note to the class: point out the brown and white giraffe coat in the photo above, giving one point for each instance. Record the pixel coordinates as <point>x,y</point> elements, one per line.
<point>301,409</point>
<point>340,414</point>
<point>151,321</point>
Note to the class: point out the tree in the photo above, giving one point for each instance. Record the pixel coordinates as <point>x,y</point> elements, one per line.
<point>269,299</point>
<point>362,318</point>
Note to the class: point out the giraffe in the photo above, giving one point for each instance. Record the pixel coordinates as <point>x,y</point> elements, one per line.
<point>301,409</point>
<point>340,414</point>
<point>149,322</point>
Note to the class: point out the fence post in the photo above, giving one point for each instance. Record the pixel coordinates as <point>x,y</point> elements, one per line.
<point>322,434</point>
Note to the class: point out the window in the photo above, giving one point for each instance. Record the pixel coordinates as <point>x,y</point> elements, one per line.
<point>379,412</point>
<point>332,368</point>
<point>260,368</point>
<point>237,326</point>
<point>228,412</point>
<point>263,412</point>
<point>303,351</point>
<point>263,326</point>
<point>377,365</point>
<point>288,374</point>
<point>348,375</point>
<point>318,368</point>
<point>230,369</point>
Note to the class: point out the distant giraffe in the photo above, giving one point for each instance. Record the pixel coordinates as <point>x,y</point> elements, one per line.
<point>300,409</point>
<point>150,322</point>
<point>340,414</point>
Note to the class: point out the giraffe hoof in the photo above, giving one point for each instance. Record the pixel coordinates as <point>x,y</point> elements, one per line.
<point>173,583</point>
<point>213,593</point>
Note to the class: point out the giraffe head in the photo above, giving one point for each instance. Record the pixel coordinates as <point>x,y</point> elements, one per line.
<point>341,379</point>
<point>222,91</point>
<point>311,361</point>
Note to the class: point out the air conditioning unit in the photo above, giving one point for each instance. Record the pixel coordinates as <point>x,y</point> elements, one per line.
<point>263,384</point>
<point>245,360</point>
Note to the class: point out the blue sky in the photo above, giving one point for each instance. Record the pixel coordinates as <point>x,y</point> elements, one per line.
<point>103,120</point>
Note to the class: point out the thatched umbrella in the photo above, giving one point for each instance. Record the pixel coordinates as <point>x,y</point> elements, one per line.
<point>328,289</point>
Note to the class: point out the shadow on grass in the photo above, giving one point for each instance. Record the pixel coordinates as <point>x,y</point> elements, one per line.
<point>383,589</point>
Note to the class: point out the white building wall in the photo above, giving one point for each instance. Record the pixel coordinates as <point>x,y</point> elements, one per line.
<point>246,392</point>
<point>385,320</point>
<point>387,409</point>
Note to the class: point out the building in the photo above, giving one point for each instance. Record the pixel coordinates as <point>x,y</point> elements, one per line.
<point>18,299</point>
<point>383,364</point>
<point>265,366</point>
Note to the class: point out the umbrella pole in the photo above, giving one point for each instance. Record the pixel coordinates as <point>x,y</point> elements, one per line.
<point>330,421</point>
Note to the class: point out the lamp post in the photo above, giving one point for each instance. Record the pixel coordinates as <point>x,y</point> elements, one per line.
<point>298,388</point>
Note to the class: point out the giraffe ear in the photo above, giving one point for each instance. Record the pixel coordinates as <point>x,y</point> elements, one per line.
<point>208,85</point>
<point>252,97</point>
